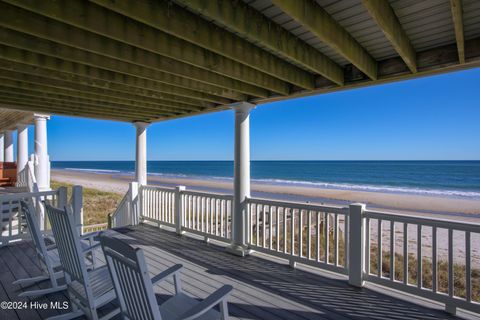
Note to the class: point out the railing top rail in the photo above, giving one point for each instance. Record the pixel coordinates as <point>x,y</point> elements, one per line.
<point>298,205</point>
<point>120,206</point>
<point>22,195</point>
<point>150,187</point>
<point>208,194</point>
<point>415,219</point>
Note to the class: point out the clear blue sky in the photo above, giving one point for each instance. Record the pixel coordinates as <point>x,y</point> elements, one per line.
<point>428,118</point>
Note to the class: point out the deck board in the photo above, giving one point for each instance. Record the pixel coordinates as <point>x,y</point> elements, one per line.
<point>263,288</point>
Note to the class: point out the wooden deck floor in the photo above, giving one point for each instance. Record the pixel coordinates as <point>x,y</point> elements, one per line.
<point>263,289</point>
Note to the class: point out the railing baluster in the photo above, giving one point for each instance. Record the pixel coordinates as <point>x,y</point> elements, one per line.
<point>379,244</point>
<point>434,259</point>
<point>318,236</point>
<point>264,222</point>
<point>326,236</point>
<point>292,231</point>
<point>335,239</point>
<point>419,256</point>
<point>367,246</point>
<point>277,228</point>
<point>222,217</point>
<point>300,233</point>
<point>257,216</point>
<point>392,250</point>
<point>270,222</point>
<point>451,283</point>
<point>217,214</point>
<point>468,270</point>
<point>405,253</point>
<point>309,235</point>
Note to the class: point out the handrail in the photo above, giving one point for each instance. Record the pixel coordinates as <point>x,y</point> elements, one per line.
<point>118,217</point>
<point>439,222</point>
<point>303,205</point>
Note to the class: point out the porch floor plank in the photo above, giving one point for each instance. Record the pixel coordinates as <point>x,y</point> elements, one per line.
<point>263,287</point>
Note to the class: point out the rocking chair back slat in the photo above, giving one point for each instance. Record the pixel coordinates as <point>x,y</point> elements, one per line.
<point>68,244</point>
<point>33,228</point>
<point>130,276</point>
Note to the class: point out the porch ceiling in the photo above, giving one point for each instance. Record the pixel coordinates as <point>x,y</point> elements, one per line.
<point>9,118</point>
<point>154,60</point>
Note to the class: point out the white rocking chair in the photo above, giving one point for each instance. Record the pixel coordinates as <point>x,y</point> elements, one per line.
<point>88,290</point>
<point>135,293</point>
<point>48,256</point>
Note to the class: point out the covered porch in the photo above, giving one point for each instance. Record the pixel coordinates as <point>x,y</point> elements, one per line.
<point>288,260</point>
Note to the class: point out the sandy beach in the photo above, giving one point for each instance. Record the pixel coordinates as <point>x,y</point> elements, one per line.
<point>464,209</point>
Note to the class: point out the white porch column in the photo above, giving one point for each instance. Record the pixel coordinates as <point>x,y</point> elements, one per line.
<point>8,147</point>
<point>2,147</point>
<point>241,181</point>
<point>42,161</point>
<point>141,153</point>
<point>22,146</point>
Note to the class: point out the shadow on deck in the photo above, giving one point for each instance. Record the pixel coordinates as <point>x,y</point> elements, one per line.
<point>263,289</point>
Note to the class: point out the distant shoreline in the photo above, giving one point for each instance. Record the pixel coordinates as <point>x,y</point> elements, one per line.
<point>460,209</point>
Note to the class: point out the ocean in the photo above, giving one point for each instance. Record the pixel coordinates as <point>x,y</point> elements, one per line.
<point>460,179</point>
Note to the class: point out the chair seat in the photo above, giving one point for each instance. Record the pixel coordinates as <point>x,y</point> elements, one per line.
<point>180,303</point>
<point>101,284</point>
<point>55,259</point>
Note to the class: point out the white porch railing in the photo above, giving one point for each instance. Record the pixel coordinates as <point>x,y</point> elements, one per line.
<point>157,205</point>
<point>26,177</point>
<point>207,214</point>
<point>121,216</point>
<point>427,257</point>
<point>309,234</point>
<point>352,240</point>
<point>12,222</point>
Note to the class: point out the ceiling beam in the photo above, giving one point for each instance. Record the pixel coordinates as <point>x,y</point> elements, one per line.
<point>457,16</point>
<point>69,108</point>
<point>212,83</point>
<point>41,65</point>
<point>438,60</point>
<point>170,18</point>
<point>243,19</point>
<point>110,34</point>
<point>315,19</point>
<point>44,88</point>
<point>383,14</point>
<point>74,88</point>
<point>48,108</point>
<point>93,105</point>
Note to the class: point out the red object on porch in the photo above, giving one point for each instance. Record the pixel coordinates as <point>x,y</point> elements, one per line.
<point>8,174</point>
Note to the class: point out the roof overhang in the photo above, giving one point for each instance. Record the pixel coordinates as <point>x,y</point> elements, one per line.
<point>155,60</point>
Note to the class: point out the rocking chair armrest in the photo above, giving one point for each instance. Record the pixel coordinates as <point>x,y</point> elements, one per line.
<point>51,247</point>
<point>91,248</point>
<point>172,271</point>
<point>90,236</point>
<point>211,301</point>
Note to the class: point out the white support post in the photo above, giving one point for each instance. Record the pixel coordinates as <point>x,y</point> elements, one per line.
<point>2,146</point>
<point>42,162</point>
<point>77,206</point>
<point>179,209</point>
<point>356,245</point>
<point>241,182</point>
<point>8,147</point>
<point>22,146</point>
<point>134,201</point>
<point>141,152</point>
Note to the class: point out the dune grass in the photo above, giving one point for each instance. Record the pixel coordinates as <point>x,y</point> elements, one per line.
<point>97,204</point>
